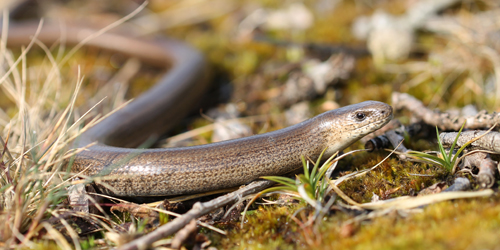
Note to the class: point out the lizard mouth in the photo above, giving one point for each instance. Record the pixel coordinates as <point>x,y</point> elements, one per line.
<point>386,118</point>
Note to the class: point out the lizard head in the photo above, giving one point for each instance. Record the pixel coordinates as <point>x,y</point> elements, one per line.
<point>345,125</point>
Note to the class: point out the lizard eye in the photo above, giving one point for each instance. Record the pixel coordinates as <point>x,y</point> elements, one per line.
<point>360,116</point>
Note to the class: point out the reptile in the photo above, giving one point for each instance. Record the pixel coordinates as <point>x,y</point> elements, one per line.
<point>122,171</point>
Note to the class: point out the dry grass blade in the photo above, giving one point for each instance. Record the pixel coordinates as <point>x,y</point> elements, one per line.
<point>362,172</point>
<point>153,207</point>
<point>23,55</point>
<point>39,133</point>
<point>407,202</point>
<point>454,169</point>
<point>57,236</point>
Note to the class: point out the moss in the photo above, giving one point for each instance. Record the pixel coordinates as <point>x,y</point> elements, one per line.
<point>270,227</point>
<point>44,245</point>
<point>391,179</point>
<point>440,226</point>
<point>267,227</point>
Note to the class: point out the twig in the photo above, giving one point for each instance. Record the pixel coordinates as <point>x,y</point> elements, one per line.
<point>394,134</point>
<point>390,138</point>
<point>407,202</point>
<point>482,140</point>
<point>394,138</point>
<point>379,142</point>
<point>487,168</point>
<point>198,210</point>
<point>444,121</point>
<point>183,234</point>
<point>489,141</point>
<point>460,184</point>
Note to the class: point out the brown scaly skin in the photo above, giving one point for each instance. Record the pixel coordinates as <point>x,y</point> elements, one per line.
<point>175,171</point>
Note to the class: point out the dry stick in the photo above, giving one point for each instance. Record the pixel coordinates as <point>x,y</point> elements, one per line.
<point>489,141</point>
<point>396,138</point>
<point>487,168</point>
<point>390,138</point>
<point>444,121</point>
<point>460,184</point>
<point>393,135</point>
<point>198,210</point>
<point>377,143</point>
<point>484,140</point>
<point>183,234</point>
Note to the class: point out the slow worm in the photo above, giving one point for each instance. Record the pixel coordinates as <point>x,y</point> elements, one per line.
<point>175,171</point>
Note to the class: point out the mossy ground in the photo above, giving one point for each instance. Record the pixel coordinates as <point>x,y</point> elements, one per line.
<point>460,224</point>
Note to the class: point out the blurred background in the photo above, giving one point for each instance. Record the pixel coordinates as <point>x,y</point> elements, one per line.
<point>268,57</point>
